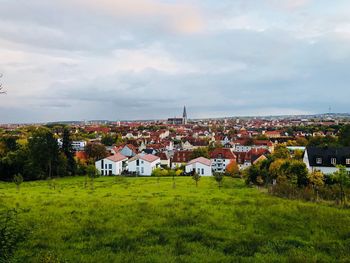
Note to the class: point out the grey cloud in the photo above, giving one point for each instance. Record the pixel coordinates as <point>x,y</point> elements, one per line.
<point>64,65</point>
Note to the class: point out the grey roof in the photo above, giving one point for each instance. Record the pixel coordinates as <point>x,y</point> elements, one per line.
<point>327,153</point>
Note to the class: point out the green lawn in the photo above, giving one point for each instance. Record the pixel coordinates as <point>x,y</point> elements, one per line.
<point>143,220</point>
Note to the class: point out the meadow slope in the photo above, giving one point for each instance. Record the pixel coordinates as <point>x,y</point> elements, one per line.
<point>147,220</point>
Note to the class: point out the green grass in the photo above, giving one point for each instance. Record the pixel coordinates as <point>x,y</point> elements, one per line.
<point>142,220</point>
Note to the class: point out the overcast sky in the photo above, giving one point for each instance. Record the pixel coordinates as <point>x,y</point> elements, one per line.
<point>142,59</point>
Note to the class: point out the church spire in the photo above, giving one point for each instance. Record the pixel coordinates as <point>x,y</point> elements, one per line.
<point>184,116</point>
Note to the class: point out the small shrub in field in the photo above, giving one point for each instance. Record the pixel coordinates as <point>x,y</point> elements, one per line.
<point>196,177</point>
<point>11,233</point>
<point>18,180</point>
<point>219,177</point>
<point>92,173</point>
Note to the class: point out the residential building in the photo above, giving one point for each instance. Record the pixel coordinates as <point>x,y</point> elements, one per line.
<point>220,158</point>
<point>112,165</point>
<point>181,158</point>
<point>200,165</point>
<point>325,159</point>
<point>76,145</point>
<point>144,164</point>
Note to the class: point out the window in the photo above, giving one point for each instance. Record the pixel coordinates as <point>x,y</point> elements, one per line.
<point>106,166</point>
<point>142,170</point>
<point>199,171</point>
<point>202,171</point>
<point>110,166</point>
<point>102,164</point>
<point>347,161</point>
<point>141,161</point>
<point>137,162</point>
<point>319,160</point>
<point>334,161</point>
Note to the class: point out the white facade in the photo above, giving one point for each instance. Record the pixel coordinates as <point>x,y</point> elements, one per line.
<point>242,148</point>
<point>219,165</point>
<point>200,168</point>
<point>76,145</point>
<point>143,167</point>
<point>109,167</point>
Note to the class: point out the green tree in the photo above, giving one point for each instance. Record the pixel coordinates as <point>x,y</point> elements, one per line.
<point>96,151</point>
<point>108,140</point>
<point>344,135</point>
<point>219,177</point>
<point>251,174</point>
<point>281,152</point>
<point>200,152</point>
<point>43,154</point>
<point>196,177</point>
<point>68,151</point>
<point>341,177</point>
<point>298,154</point>
<point>316,180</point>
<point>91,173</point>
<point>18,180</point>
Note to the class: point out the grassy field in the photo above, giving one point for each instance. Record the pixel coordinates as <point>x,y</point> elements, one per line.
<point>146,220</point>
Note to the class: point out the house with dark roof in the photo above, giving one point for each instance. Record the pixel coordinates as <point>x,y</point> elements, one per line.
<point>325,159</point>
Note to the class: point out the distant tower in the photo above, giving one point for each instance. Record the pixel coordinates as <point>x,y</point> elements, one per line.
<point>184,116</point>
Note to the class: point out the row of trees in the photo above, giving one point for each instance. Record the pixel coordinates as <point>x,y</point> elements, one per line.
<point>288,177</point>
<point>38,158</point>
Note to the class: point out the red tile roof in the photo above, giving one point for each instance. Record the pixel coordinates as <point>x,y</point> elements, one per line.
<point>147,157</point>
<point>223,153</point>
<point>201,160</point>
<point>162,156</point>
<point>117,157</point>
<point>182,157</point>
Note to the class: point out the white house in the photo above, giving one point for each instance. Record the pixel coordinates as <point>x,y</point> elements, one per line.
<point>325,159</point>
<point>112,165</point>
<point>144,164</point>
<point>200,165</point>
<point>76,145</point>
<point>221,158</point>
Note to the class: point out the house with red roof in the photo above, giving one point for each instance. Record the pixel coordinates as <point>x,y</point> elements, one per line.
<point>220,158</point>
<point>181,158</point>
<point>164,159</point>
<point>252,157</point>
<point>144,164</point>
<point>112,165</point>
<point>200,165</point>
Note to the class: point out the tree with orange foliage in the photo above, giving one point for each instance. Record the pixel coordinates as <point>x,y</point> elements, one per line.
<point>232,168</point>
